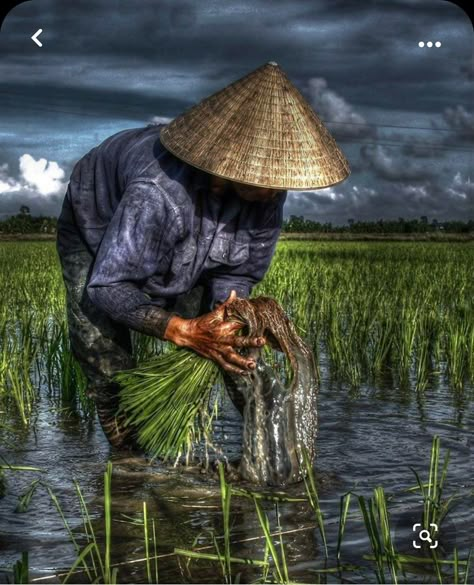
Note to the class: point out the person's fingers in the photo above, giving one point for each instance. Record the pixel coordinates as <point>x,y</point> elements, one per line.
<point>243,361</point>
<point>241,341</point>
<point>231,297</point>
<point>218,358</point>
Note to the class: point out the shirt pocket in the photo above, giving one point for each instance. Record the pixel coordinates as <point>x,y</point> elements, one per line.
<point>183,255</point>
<point>228,251</point>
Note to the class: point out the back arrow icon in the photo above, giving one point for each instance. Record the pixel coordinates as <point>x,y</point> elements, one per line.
<point>34,38</point>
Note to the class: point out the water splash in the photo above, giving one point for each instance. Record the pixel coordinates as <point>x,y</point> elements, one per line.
<point>279,411</point>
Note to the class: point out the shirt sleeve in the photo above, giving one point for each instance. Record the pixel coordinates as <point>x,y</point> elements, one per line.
<point>130,251</point>
<point>244,277</point>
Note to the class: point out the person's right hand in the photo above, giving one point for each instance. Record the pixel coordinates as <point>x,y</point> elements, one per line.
<point>215,338</point>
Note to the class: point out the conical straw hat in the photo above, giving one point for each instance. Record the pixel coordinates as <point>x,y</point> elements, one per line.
<point>260,131</point>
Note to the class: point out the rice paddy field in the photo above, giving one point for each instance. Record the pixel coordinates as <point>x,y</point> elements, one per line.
<point>391,325</point>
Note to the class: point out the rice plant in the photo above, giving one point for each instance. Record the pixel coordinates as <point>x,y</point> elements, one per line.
<point>402,308</point>
<point>21,569</point>
<point>163,398</point>
<point>94,562</point>
<point>435,508</point>
<point>377,523</point>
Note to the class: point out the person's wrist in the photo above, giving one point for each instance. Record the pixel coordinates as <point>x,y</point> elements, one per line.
<point>177,330</point>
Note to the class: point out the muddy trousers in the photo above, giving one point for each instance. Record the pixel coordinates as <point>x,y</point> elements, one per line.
<point>102,346</point>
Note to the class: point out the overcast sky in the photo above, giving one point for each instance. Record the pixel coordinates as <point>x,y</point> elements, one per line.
<point>403,115</point>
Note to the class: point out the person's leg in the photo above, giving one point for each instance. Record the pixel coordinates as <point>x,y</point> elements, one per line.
<point>101,346</point>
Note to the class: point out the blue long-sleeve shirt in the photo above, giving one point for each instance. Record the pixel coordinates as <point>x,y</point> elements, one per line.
<point>156,231</point>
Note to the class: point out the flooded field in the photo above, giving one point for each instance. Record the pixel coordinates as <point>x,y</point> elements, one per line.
<point>392,328</point>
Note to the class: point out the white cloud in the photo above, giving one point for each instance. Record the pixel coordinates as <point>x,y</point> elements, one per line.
<point>8,184</point>
<point>42,175</point>
<point>453,200</point>
<point>45,178</point>
<point>39,185</point>
<point>160,120</point>
<point>336,112</point>
<point>460,120</point>
<point>462,189</point>
<point>331,193</point>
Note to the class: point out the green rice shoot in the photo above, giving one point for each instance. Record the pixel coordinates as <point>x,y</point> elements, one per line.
<point>167,401</point>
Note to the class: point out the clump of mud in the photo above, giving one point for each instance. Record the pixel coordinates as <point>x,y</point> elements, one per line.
<point>279,411</point>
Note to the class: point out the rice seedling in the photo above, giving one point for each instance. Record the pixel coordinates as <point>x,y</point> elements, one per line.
<point>25,500</point>
<point>110,575</point>
<point>458,333</point>
<point>163,398</point>
<point>406,308</point>
<point>278,559</point>
<point>94,559</point>
<point>225,559</point>
<point>457,573</point>
<point>20,569</point>
<point>377,523</point>
<point>15,382</point>
<point>155,550</point>
<point>146,539</point>
<point>226,496</point>
<point>5,466</point>
<point>344,506</point>
<point>435,508</point>
<point>220,558</point>
<point>313,498</point>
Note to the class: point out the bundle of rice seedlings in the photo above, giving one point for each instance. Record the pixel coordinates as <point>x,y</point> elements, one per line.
<point>165,398</point>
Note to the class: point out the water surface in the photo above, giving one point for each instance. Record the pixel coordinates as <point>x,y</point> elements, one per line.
<point>366,438</point>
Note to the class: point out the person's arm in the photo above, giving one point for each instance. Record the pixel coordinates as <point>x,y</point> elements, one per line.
<point>141,232</point>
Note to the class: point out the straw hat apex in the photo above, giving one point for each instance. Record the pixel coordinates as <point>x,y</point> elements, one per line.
<point>261,131</point>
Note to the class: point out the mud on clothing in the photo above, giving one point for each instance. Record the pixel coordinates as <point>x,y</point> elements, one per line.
<point>141,237</point>
<point>101,345</point>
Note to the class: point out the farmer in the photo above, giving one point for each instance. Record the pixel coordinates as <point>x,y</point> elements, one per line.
<point>161,225</point>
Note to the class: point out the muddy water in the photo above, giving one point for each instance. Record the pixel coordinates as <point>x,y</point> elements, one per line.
<point>365,439</point>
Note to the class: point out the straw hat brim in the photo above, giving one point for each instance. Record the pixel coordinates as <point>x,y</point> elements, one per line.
<point>272,186</point>
<point>258,131</point>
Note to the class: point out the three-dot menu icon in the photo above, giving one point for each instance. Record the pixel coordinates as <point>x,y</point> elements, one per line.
<point>430,44</point>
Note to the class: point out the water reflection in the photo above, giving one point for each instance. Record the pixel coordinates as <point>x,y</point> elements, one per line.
<point>366,438</point>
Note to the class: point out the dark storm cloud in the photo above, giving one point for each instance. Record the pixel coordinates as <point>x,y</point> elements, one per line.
<point>430,147</point>
<point>460,121</point>
<point>342,119</point>
<point>343,42</point>
<point>110,64</point>
<point>10,203</point>
<point>468,69</point>
<point>388,200</point>
<point>390,164</point>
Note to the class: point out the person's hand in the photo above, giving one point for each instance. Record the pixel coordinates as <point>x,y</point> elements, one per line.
<point>215,338</point>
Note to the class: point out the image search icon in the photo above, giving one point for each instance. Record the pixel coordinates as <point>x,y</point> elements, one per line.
<point>425,535</point>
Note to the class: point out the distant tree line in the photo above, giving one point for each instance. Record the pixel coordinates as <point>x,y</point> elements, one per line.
<point>25,223</point>
<point>386,226</point>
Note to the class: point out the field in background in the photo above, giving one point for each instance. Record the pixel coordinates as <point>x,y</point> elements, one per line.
<point>437,236</point>
<point>379,237</point>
